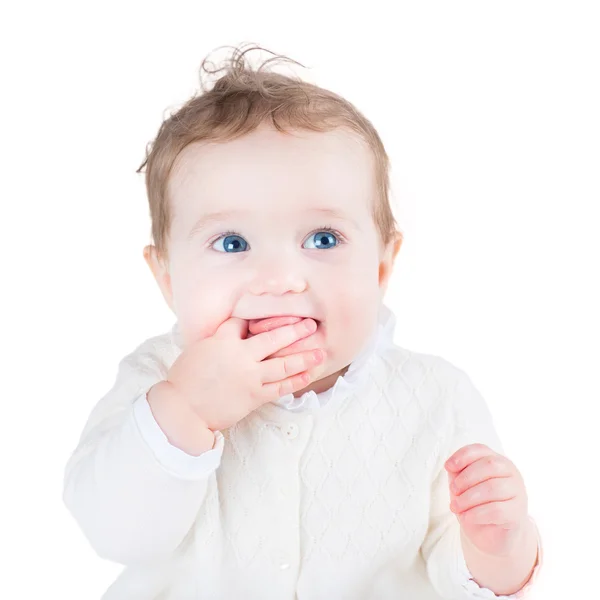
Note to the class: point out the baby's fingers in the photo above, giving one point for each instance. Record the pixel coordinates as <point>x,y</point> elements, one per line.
<point>273,391</point>
<point>276,369</point>
<point>264,344</point>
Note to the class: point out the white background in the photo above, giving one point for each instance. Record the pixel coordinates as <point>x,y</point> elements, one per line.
<point>490,114</point>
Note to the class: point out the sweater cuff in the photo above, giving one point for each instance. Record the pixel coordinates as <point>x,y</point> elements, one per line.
<point>173,459</point>
<point>475,591</point>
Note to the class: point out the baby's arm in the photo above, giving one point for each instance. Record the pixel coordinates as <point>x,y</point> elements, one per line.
<point>134,495</point>
<point>468,421</point>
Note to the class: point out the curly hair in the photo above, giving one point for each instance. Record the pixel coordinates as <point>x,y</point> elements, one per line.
<point>241,99</point>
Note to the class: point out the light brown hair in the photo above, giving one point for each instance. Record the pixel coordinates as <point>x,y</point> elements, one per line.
<point>241,100</point>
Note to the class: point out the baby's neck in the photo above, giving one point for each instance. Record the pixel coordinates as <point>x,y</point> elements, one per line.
<point>322,385</point>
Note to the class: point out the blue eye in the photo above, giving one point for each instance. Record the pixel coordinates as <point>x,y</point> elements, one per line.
<point>232,243</point>
<point>323,240</point>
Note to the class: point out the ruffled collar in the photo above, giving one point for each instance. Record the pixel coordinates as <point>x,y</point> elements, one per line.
<point>380,338</point>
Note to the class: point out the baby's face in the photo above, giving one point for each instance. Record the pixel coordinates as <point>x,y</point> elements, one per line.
<point>273,224</point>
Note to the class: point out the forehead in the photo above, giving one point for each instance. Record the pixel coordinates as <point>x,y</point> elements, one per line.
<point>268,170</point>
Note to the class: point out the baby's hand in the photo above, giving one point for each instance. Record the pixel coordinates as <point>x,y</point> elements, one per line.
<point>225,377</point>
<point>488,496</point>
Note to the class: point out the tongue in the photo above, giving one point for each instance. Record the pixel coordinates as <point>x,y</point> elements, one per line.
<point>257,326</point>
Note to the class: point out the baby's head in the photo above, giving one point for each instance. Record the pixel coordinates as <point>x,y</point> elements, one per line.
<point>269,196</point>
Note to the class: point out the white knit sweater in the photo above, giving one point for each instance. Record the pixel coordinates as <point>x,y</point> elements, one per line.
<point>338,496</point>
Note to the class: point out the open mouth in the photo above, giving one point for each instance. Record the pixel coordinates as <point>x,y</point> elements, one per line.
<point>256,326</point>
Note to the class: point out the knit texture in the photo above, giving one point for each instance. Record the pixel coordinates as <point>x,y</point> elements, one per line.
<point>347,500</point>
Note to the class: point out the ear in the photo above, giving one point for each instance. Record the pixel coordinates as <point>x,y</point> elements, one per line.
<point>161,273</point>
<point>387,261</point>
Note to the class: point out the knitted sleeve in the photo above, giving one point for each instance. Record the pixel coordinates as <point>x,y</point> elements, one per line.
<point>471,422</point>
<point>129,504</point>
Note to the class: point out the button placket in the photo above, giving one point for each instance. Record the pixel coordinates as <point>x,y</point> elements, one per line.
<point>291,431</point>
<point>285,517</point>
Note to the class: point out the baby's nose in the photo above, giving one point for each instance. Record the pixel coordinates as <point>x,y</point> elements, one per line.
<point>277,277</point>
<point>277,285</point>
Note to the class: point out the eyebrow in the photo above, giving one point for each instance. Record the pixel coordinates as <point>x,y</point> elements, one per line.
<point>216,217</point>
<point>223,215</point>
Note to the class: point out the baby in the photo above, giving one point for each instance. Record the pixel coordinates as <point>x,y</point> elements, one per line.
<point>276,443</point>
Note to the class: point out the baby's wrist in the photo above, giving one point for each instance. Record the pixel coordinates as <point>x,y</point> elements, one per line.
<point>182,426</point>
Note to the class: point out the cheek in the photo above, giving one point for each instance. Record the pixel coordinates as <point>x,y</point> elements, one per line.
<point>353,288</point>
<point>351,320</point>
<point>351,311</point>
<point>200,308</point>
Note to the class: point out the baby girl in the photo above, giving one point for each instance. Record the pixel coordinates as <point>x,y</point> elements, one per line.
<point>277,443</point>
